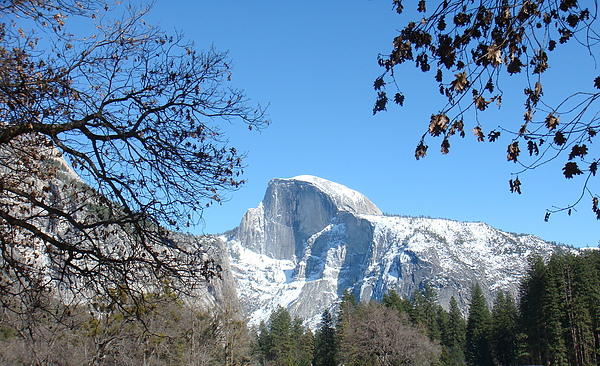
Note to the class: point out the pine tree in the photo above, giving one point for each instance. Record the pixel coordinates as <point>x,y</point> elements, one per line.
<point>504,330</point>
<point>280,324</point>
<point>531,322</point>
<point>264,343</point>
<point>478,328</point>
<point>348,306</point>
<point>554,311</point>
<point>425,311</point>
<point>580,284</point>
<point>302,344</point>
<point>589,277</point>
<point>325,342</point>
<point>391,299</point>
<point>454,337</point>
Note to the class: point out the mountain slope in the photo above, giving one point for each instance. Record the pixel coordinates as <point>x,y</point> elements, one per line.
<point>310,239</point>
<point>63,236</point>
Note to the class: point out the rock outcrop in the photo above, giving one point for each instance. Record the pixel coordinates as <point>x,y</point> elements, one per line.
<point>310,239</point>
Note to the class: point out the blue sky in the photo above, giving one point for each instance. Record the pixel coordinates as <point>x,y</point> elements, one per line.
<point>314,63</point>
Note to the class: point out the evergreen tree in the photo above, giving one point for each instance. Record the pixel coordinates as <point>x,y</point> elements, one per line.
<point>302,344</point>
<point>264,343</point>
<point>391,299</point>
<point>478,328</point>
<point>559,309</point>
<point>426,311</point>
<point>554,311</point>
<point>504,330</point>
<point>348,306</point>
<point>454,337</point>
<point>325,342</point>
<point>589,278</point>
<point>280,324</point>
<point>580,283</point>
<point>530,308</point>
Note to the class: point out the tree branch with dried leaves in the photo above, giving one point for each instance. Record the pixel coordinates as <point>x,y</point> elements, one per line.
<point>472,47</point>
<point>108,143</point>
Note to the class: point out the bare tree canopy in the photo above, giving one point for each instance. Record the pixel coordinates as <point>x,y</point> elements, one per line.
<point>136,113</point>
<point>471,46</point>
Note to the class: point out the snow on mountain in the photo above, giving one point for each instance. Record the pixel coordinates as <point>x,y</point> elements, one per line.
<point>344,198</point>
<point>310,239</point>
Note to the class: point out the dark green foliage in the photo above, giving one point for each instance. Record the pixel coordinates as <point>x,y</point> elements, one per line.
<point>391,299</point>
<point>284,341</point>
<point>504,332</point>
<point>454,337</point>
<point>478,329</point>
<point>560,310</point>
<point>532,288</point>
<point>348,305</point>
<point>325,342</point>
<point>426,312</point>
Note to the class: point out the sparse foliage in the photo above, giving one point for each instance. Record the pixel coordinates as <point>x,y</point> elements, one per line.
<point>164,332</point>
<point>380,335</point>
<point>136,113</point>
<point>473,48</point>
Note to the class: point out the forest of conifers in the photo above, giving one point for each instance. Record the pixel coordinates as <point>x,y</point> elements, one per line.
<point>555,321</point>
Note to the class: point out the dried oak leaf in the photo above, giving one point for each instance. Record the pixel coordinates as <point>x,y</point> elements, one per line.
<point>578,150</point>
<point>479,133</point>
<point>380,103</point>
<point>399,99</point>
<point>559,138</point>
<point>457,126</point>
<point>480,102</point>
<point>445,147</point>
<point>438,124</point>
<point>493,136</point>
<point>594,168</point>
<point>514,66</point>
<point>460,83</point>
<point>397,4</point>
<point>570,169</point>
<point>515,185</point>
<point>591,132</point>
<point>513,151</point>
<point>552,121</point>
<point>532,147</point>
<point>421,150</point>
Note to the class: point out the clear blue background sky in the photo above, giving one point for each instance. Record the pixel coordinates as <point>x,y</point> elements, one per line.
<point>314,62</point>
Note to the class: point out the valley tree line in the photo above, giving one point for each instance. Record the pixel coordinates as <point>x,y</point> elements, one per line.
<point>556,321</point>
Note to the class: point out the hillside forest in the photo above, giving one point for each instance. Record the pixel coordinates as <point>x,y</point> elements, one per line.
<point>554,321</point>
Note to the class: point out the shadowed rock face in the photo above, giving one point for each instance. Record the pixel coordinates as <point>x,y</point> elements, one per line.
<point>295,209</point>
<point>310,239</point>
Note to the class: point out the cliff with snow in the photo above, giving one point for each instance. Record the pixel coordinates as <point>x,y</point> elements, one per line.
<point>310,239</point>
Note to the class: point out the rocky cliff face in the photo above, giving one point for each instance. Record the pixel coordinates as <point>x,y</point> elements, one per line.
<point>55,184</point>
<point>310,239</point>
<point>295,209</point>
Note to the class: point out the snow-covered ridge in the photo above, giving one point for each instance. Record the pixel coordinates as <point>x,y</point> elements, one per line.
<point>310,239</point>
<point>345,199</point>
